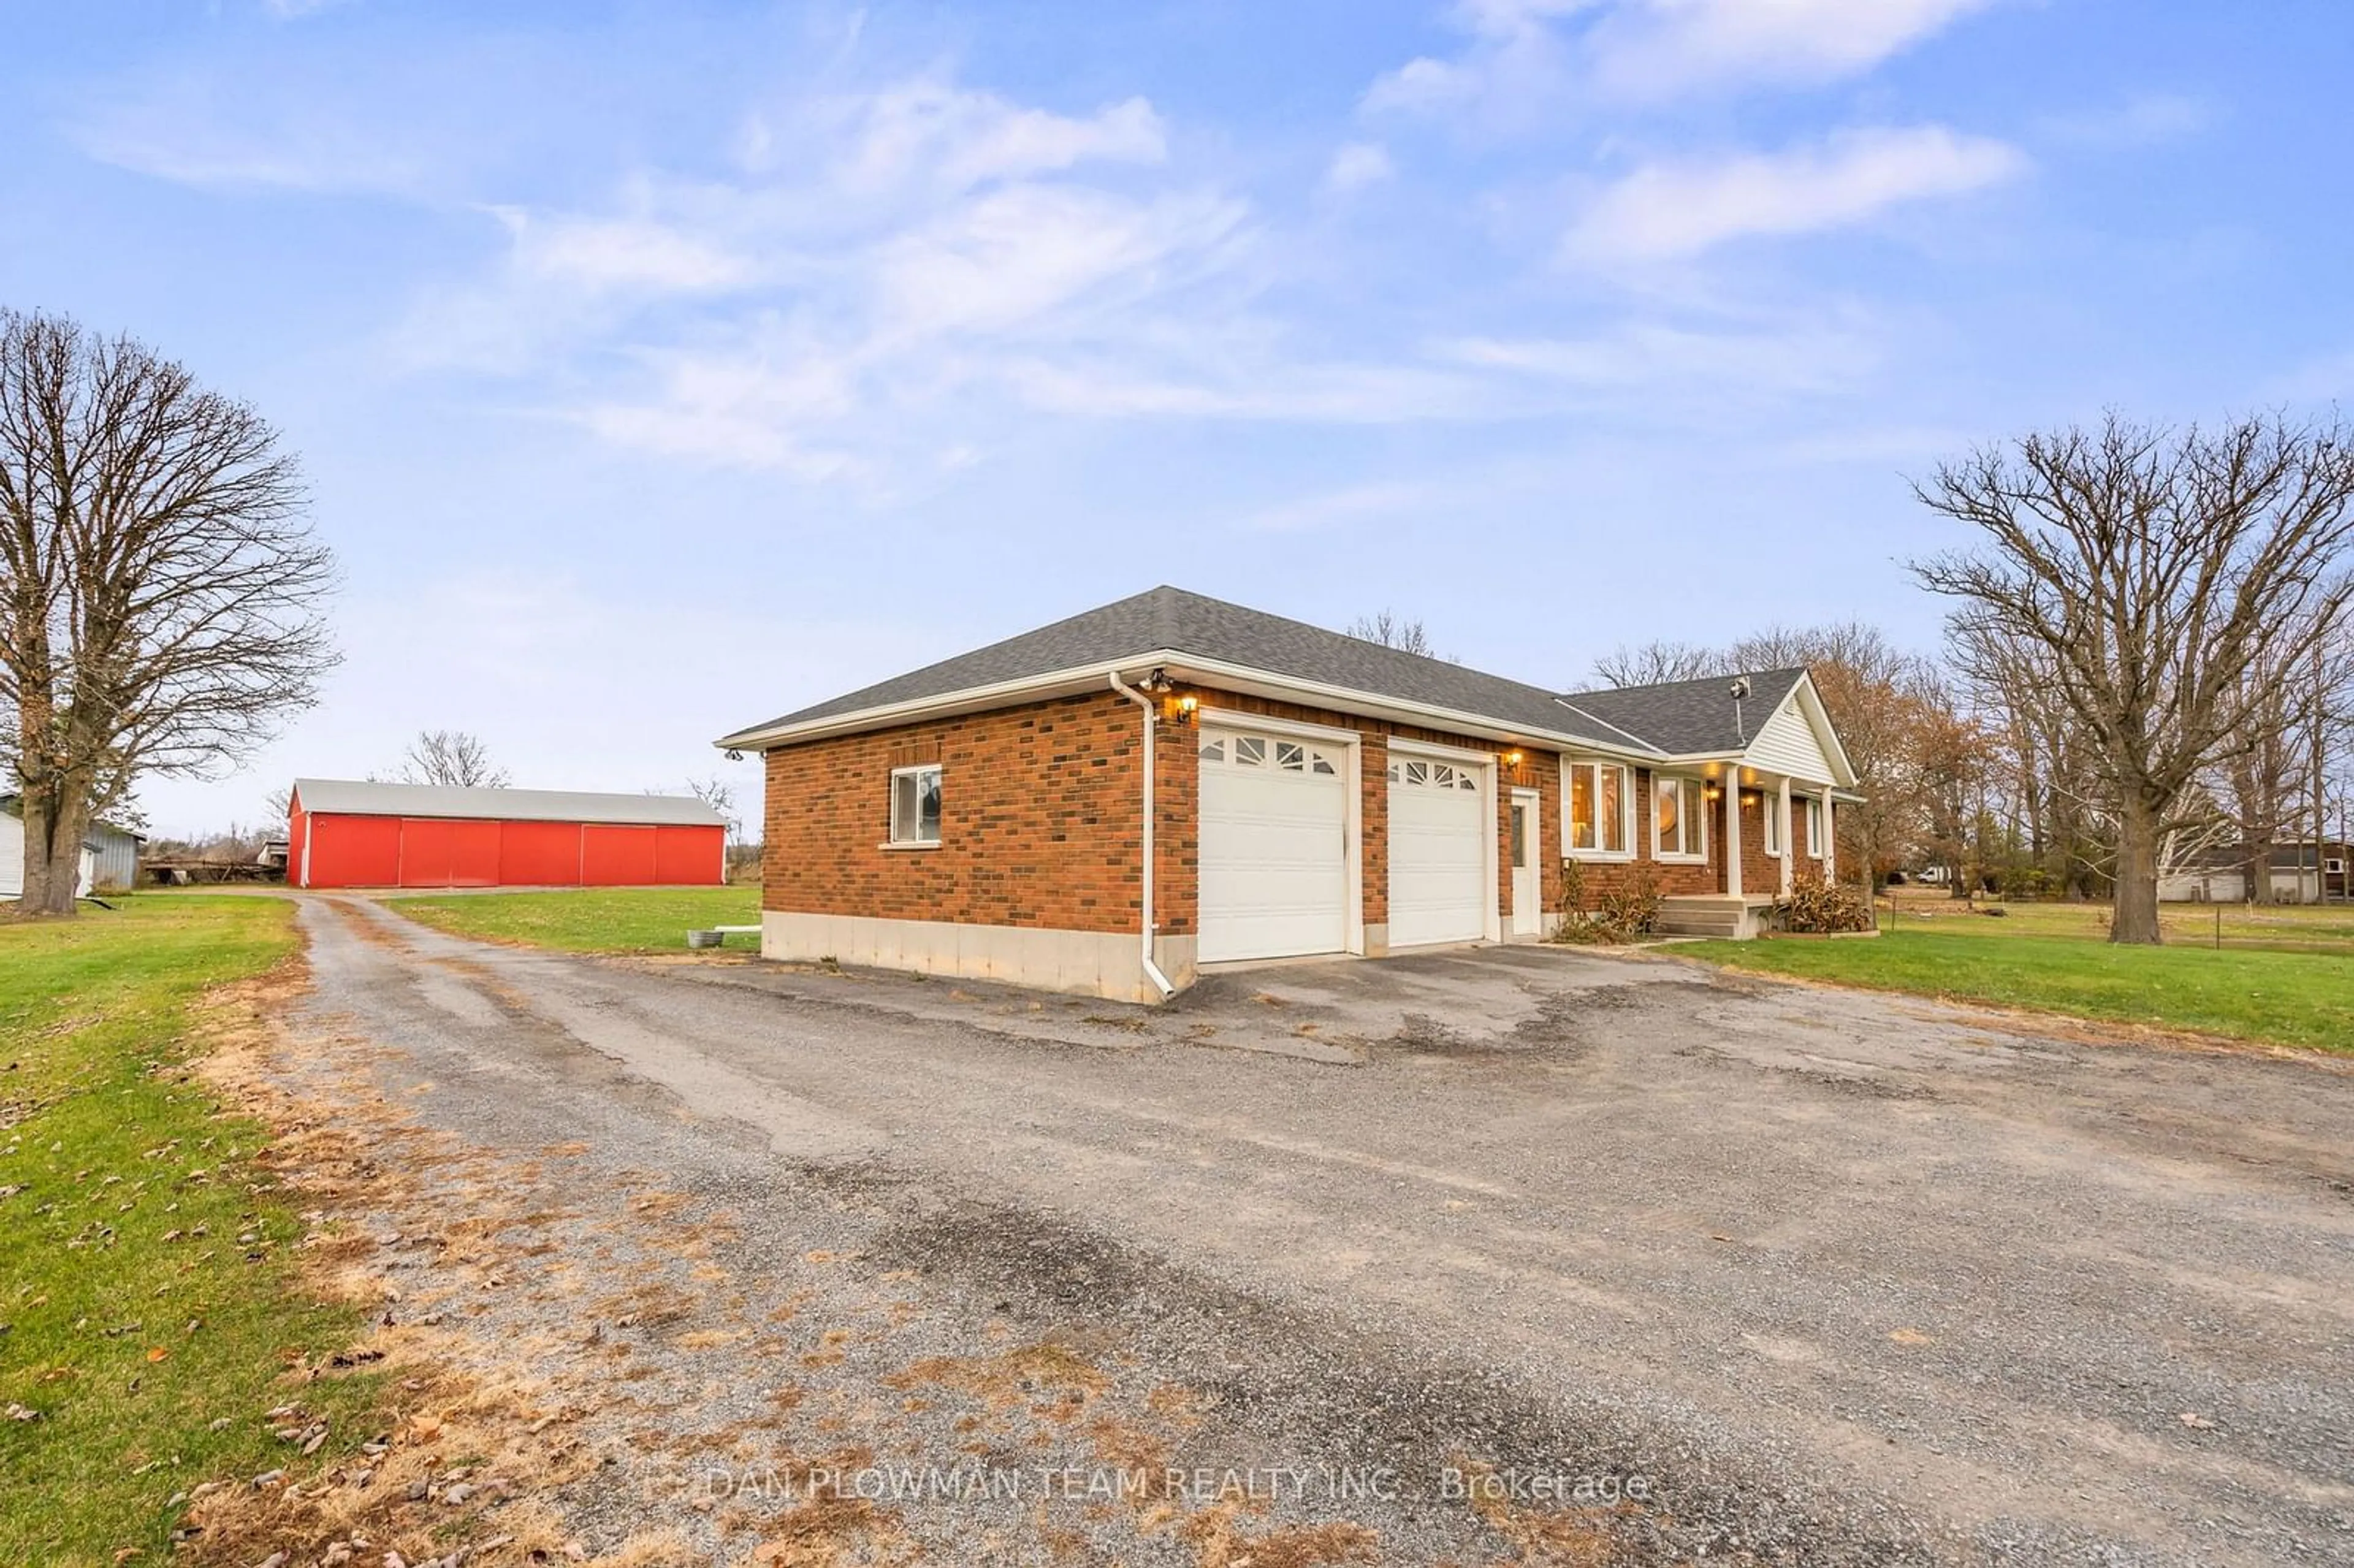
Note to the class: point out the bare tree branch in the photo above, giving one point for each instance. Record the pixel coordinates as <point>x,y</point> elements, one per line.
<point>160,592</point>
<point>452,758</point>
<point>2161,585</point>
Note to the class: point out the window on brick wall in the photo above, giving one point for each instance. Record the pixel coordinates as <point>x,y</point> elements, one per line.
<point>1601,806</point>
<point>1679,818</point>
<point>1772,807</point>
<point>916,805</point>
<point>1815,826</point>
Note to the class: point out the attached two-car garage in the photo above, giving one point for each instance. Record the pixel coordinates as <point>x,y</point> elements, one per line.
<point>1278,845</point>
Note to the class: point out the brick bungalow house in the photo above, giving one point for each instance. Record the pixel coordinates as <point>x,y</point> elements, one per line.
<point>1109,805</point>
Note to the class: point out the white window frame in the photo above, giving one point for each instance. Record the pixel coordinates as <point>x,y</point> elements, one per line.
<point>1691,794</point>
<point>893,841</point>
<point>1814,816</point>
<point>1773,815</point>
<point>1626,835</point>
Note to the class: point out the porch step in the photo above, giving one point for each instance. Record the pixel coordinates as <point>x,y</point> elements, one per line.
<point>1724,918</point>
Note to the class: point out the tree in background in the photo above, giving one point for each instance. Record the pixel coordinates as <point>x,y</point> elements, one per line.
<point>1657,664</point>
<point>2153,577</point>
<point>160,592</point>
<point>455,758</point>
<point>1878,699</point>
<point>1391,630</point>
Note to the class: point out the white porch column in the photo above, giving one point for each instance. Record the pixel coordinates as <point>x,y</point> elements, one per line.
<point>1732,831</point>
<point>1830,840</point>
<point>1789,847</point>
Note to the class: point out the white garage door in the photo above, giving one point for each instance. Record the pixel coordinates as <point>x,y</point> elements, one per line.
<point>1274,868</point>
<point>1438,854</point>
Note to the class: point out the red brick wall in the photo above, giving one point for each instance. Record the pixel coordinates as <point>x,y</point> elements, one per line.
<point>1670,877</point>
<point>1039,821</point>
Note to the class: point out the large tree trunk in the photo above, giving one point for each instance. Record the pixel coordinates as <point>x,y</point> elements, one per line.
<point>54,832</point>
<point>2136,915</point>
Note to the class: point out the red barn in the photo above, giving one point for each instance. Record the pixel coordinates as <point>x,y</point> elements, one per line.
<point>342,833</point>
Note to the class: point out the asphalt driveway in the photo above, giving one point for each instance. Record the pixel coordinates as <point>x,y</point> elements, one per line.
<point>1835,1277</point>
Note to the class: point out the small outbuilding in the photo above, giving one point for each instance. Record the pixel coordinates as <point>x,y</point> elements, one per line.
<point>12,855</point>
<point>351,833</point>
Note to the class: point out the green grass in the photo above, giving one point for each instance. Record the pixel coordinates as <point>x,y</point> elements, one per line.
<point>127,1198</point>
<point>2284,927</point>
<point>2301,998</point>
<point>592,919</point>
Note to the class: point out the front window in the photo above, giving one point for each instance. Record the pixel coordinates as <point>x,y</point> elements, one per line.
<point>1773,810</point>
<point>1678,814</point>
<point>1815,827</point>
<point>1599,795</point>
<point>916,805</point>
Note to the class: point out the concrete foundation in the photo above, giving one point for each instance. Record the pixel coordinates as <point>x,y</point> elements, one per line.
<point>1081,963</point>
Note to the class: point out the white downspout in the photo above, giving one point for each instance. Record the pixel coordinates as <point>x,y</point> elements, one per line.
<point>1151,722</point>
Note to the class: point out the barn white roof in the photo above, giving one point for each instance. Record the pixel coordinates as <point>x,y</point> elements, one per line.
<point>366,797</point>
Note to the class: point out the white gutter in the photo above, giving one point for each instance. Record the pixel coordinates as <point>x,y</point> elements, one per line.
<point>1151,722</point>
<point>1184,667</point>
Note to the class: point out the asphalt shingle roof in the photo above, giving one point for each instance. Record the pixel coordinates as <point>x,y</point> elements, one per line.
<point>1688,717</point>
<point>366,797</point>
<point>1173,621</point>
<point>1683,717</point>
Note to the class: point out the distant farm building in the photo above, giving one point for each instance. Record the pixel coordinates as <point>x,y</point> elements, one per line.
<point>345,833</point>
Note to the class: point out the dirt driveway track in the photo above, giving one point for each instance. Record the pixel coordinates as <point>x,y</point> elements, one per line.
<point>1843,1278</point>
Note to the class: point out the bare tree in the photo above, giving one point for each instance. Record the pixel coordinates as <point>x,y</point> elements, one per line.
<point>1655,664</point>
<point>452,758</point>
<point>1391,630</point>
<point>2157,570</point>
<point>720,796</point>
<point>160,593</point>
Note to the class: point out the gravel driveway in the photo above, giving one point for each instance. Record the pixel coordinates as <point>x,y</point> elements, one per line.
<point>1511,1255</point>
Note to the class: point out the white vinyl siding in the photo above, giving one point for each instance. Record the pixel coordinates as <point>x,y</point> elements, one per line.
<point>1787,744</point>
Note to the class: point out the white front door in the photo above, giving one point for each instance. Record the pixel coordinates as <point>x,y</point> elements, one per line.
<point>1439,832</point>
<point>1527,879</point>
<point>1275,845</point>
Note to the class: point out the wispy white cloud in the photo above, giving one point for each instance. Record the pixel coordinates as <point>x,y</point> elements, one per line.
<point>602,253</point>
<point>1525,62</point>
<point>2144,120</point>
<point>1675,209</point>
<point>1694,362</point>
<point>1357,165</point>
<point>1653,48</point>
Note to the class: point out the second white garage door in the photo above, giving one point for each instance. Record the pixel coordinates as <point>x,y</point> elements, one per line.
<point>1275,849</point>
<point>1439,890</point>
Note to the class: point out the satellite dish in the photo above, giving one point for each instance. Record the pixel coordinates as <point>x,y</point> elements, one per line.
<point>1740,687</point>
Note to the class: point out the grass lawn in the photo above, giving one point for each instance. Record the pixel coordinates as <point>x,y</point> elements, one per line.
<point>592,919</point>
<point>2052,959</point>
<point>145,1289</point>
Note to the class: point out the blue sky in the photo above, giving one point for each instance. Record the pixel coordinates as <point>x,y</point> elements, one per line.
<point>661,368</point>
